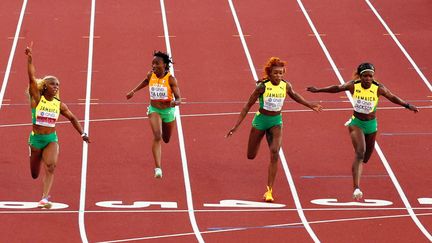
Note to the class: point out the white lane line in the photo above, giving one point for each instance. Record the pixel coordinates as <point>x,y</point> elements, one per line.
<point>187,184</point>
<point>281,153</point>
<point>81,213</point>
<point>243,41</point>
<point>206,115</point>
<point>192,103</point>
<point>268,227</point>
<point>148,237</point>
<point>395,39</point>
<point>12,53</point>
<point>377,147</point>
<point>296,197</point>
<point>38,211</point>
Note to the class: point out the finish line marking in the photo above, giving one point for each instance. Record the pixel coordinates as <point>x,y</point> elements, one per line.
<point>247,206</point>
<point>266,226</point>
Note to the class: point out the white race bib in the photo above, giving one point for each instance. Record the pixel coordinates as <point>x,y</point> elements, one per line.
<point>45,118</point>
<point>273,104</point>
<point>158,93</point>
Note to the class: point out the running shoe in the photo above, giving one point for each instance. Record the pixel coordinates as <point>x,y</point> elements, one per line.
<point>268,196</point>
<point>45,203</point>
<point>357,194</point>
<point>158,173</point>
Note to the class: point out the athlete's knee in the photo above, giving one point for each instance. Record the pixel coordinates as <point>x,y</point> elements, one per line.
<point>34,174</point>
<point>360,155</point>
<point>35,167</point>
<point>368,154</point>
<point>274,151</point>
<point>366,158</point>
<point>166,139</point>
<point>251,155</point>
<point>51,168</point>
<point>157,137</point>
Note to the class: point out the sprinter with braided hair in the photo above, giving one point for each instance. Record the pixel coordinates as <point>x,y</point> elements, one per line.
<point>164,96</point>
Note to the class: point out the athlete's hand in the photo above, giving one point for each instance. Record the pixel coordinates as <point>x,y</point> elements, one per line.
<point>317,107</point>
<point>413,108</point>
<point>28,50</point>
<point>230,132</point>
<point>130,94</point>
<point>85,138</point>
<point>312,89</point>
<point>173,103</point>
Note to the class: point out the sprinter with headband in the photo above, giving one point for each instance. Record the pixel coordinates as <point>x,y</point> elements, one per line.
<point>362,125</point>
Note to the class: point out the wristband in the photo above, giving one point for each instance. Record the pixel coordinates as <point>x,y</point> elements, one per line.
<point>406,105</point>
<point>83,134</point>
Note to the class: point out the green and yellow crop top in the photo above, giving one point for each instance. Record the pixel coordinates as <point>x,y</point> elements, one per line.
<point>365,100</point>
<point>273,97</point>
<point>46,112</point>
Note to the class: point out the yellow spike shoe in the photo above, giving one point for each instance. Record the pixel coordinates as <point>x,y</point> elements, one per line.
<point>268,196</point>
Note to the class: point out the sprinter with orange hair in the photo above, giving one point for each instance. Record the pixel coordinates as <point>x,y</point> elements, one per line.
<point>271,91</point>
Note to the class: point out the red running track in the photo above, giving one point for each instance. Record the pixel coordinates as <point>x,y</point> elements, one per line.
<point>215,79</point>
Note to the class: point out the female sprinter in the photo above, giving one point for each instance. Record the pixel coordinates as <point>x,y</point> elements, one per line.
<point>43,141</point>
<point>362,126</point>
<point>271,92</point>
<point>161,111</point>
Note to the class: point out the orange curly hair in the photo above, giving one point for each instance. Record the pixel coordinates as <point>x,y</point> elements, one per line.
<point>273,62</point>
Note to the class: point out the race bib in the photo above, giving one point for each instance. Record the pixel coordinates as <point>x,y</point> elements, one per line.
<point>273,104</point>
<point>159,93</point>
<point>364,106</point>
<point>46,119</point>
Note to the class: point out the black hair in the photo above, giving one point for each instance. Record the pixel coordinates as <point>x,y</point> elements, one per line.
<point>365,66</point>
<point>165,57</point>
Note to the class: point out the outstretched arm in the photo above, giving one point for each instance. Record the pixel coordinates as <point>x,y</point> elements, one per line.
<point>176,91</point>
<point>141,85</point>
<point>299,99</point>
<point>33,89</point>
<point>382,90</point>
<point>64,110</point>
<point>333,88</point>
<point>252,99</point>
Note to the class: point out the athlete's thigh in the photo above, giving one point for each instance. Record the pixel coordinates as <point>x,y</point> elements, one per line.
<point>255,137</point>
<point>274,137</point>
<point>35,154</point>
<point>50,153</point>
<point>357,138</point>
<point>370,145</point>
<point>167,128</point>
<point>35,160</point>
<point>155,123</point>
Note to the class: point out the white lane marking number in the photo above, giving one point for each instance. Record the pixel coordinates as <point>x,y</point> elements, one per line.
<point>244,204</point>
<point>366,203</point>
<point>137,204</point>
